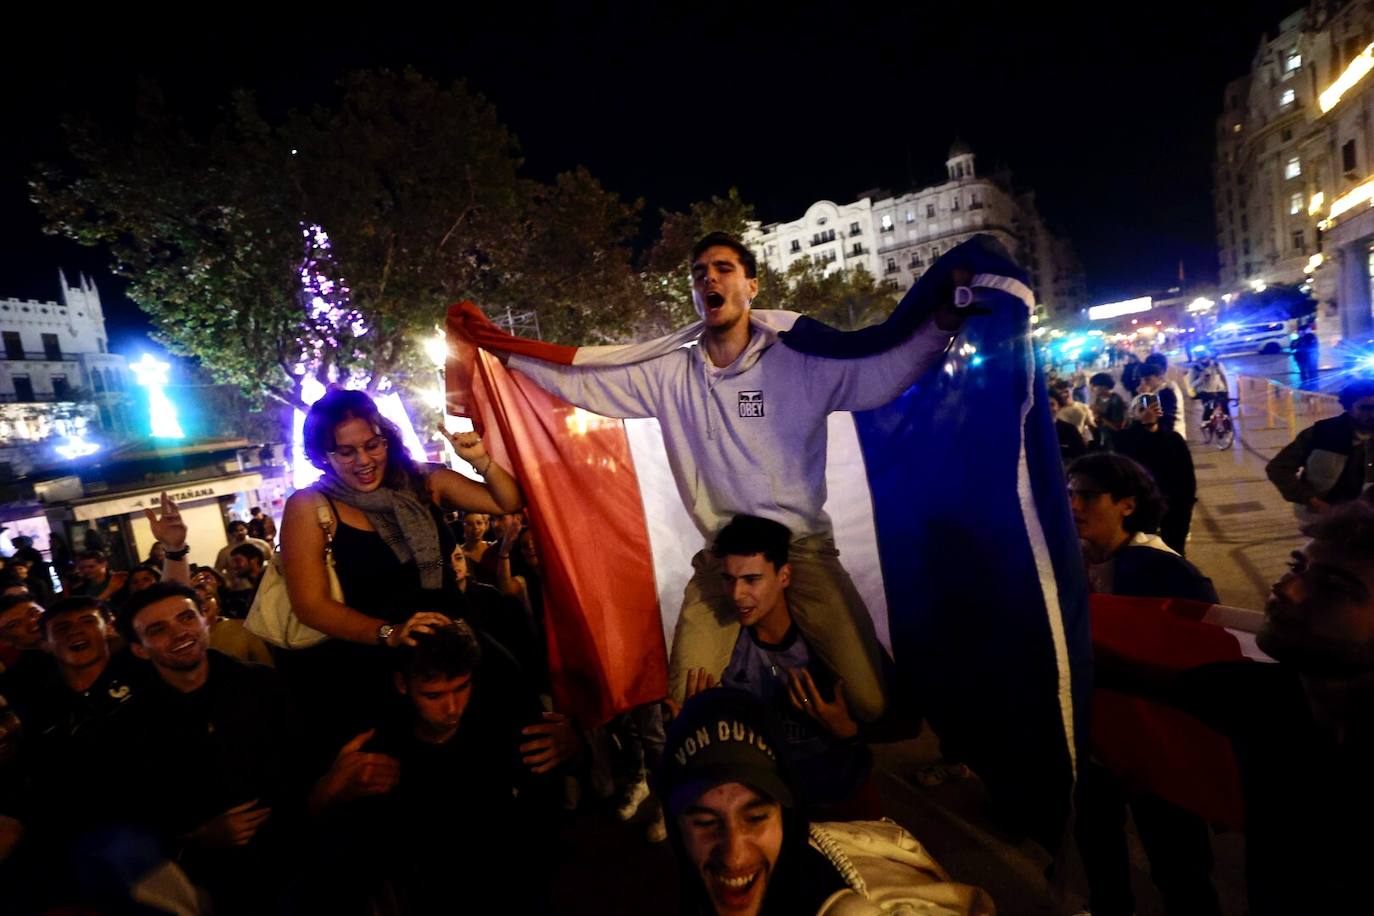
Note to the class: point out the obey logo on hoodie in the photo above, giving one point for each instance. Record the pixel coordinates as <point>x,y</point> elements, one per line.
<point>751,403</point>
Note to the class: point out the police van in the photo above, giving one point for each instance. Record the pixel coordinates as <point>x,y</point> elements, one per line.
<point>1262,337</point>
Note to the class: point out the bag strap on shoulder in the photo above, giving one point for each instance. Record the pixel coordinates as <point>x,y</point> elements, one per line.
<point>324,514</point>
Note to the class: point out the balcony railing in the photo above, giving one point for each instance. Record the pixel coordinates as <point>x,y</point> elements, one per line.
<point>858,250</point>
<point>38,356</point>
<point>891,269</point>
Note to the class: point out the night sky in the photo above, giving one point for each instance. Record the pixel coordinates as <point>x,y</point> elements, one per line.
<point>1107,112</point>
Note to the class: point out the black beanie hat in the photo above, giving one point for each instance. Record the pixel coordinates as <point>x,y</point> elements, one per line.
<point>723,735</point>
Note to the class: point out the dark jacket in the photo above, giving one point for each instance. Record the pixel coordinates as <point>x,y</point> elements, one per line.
<point>1165,455</point>
<point>1325,461</point>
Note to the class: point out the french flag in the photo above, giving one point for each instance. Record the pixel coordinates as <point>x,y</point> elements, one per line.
<point>948,507</point>
<point>1151,745</point>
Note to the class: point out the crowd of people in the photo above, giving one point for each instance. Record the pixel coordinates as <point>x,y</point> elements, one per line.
<point>157,755</point>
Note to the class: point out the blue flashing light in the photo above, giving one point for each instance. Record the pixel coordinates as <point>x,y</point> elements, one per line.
<point>976,361</point>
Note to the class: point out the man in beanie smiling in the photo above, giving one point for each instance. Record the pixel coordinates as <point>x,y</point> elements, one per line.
<point>743,841</point>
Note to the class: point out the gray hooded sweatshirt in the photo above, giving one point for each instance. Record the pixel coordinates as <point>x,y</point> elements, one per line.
<point>749,438</point>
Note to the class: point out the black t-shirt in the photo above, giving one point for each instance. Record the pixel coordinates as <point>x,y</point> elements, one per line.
<point>1165,455</point>
<point>1309,801</point>
<point>464,813</point>
<point>189,757</point>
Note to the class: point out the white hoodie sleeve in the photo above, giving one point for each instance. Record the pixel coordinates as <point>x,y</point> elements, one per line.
<point>871,381</point>
<point>621,392</point>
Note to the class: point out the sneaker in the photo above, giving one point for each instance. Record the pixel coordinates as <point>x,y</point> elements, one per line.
<point>657,830</point>
<point>634,797</point>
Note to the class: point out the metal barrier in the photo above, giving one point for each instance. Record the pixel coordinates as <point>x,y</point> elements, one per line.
<point>1283,405</point>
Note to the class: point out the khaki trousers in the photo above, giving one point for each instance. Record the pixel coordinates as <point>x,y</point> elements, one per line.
<point>825,606</point>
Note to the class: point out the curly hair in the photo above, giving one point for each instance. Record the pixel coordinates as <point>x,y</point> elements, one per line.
<point>1349,525</point>
<point>341,404</point>
<point>1121,477</point>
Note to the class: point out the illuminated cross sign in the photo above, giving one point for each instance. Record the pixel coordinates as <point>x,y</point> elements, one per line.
<point>152,374</point>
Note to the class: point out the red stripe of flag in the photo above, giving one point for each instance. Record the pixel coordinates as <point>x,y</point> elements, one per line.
<point>1155,746</point>
<point>605,636</point>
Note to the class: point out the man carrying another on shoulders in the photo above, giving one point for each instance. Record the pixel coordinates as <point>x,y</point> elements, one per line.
<point>773,661</point>
<point>744,425</point>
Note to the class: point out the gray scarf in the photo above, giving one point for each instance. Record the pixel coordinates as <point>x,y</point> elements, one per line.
<point>401,519</point>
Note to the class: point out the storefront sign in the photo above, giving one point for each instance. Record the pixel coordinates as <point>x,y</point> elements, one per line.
<point>136,502</point>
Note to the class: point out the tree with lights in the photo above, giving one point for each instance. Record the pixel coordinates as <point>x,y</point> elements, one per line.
<point>418,191</point>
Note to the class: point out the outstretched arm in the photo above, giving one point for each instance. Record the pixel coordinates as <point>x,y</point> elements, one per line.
<point>611,391</point>
<point>871,381</point>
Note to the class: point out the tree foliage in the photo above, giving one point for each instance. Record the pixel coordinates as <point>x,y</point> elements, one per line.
<point>418,186</point>
<point>847,299</point>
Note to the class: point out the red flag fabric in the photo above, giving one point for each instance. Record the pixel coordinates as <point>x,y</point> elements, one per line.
<point>1155,746</point>
<point>605,638</point>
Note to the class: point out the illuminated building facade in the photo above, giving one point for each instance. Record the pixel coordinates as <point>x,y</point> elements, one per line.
<point>897,237</point>
<point>1292,177</point>
<point>58,380</point>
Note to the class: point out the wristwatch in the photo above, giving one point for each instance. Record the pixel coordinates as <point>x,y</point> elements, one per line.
<point>384,633</point>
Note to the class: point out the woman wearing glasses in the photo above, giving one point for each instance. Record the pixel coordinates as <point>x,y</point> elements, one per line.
<point>389,546</point>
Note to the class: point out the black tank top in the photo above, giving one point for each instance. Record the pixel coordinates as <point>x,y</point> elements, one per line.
<point>379,585</point>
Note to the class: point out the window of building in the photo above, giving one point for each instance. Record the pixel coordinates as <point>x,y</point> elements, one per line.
<point>1292,62</point>
<point>97,381</point>
<point>854,229</point>
<point>1286,134</point>
<point>1287,97</point>
<point>887,222</point>
<point>954,202</point>
<point>60,389</point>
<point>1236,128</point>
<point>974,201</point>
<point>1295,204</point>
<point>930,211</point>
<point>1245,249</point>
<point>23,389</point>
<point>1293,169</point>
<point>52,347</point>
<point>1348,156</point>
<point>796,245</point>
<point>105,422</point>
<point>911,216</point>
<point>1299,239</point>
<point>858,250</point>
<point>14,346</point>
<point>891,266</point>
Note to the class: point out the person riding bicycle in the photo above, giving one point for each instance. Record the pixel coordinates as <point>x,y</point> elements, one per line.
<point>1208,379</point>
